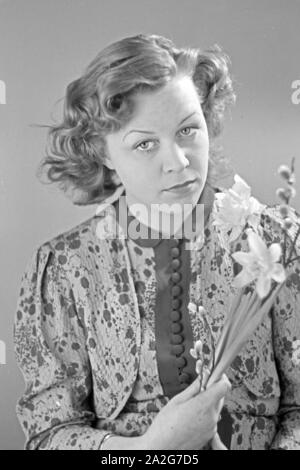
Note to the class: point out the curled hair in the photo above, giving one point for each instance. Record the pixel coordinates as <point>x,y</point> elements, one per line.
<point>101,102</point>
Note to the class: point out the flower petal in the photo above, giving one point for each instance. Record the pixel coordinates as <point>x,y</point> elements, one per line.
<point>193,353</point>
<point>202,311</point>
<point>192,307</point>
<point>263,286</point>
<point>199,367</point>
<point>198,347</point>
<point>241,187</point>
<point>257,245</point>
<point>275,251</point>
<point>243,278</point>
<point>236,231</point>
<point>255,206</point>
<point>243,258</point>
<point>278,273</point>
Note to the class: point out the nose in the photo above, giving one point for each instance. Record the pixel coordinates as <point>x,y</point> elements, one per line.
<point>174,159</point>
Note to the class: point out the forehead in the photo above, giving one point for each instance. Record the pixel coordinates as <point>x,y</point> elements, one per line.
<point>177,97</point>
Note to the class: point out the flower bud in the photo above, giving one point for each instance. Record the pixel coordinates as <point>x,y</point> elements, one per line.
<point>201,310</point>
<point>198,345</point>
<point>284,210</point>
<point>196,351</point>
<point>286,194</point>
<point>284,171</point>
<point>292,179</point>
<point>199,367</point>
<point>192,307</point>
<point>290,192</point>
<point>287,223</point>
<point>280,192</point>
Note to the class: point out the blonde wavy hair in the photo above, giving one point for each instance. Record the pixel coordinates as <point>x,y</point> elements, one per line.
<point>100,102</point>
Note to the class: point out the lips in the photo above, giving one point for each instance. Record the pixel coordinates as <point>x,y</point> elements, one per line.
<point>181,185</point>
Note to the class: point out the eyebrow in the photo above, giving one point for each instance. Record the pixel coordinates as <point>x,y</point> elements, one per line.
<point>150,132</point>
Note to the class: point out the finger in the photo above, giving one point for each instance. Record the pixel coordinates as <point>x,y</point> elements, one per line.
<point>220,405</point>
<point>206,374</point>
<point>217,444</point>
<point>189,392</point>
<point>219,390</point>
<point>226,379</point>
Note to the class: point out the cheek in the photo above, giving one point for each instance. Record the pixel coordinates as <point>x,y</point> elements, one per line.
<point>200,146</point>
<point>199,158</point>
<point>203,142</point>
<point>137,174</point>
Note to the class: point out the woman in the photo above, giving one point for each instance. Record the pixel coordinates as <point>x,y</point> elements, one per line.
<point>103,331</point>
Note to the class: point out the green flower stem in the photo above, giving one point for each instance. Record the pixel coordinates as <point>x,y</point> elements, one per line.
<point>293,247</point>
<point>284,247</point>
<point>293,259</point>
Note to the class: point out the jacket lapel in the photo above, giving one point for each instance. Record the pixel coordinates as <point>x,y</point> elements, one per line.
<point>121,335</point>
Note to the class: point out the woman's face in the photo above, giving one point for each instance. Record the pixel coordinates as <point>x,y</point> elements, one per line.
<point>164,144</point>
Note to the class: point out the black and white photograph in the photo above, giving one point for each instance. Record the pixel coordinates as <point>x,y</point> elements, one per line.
<point>150,227</point>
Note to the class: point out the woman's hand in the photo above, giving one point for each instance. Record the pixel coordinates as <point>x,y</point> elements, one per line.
<point>189,420</point>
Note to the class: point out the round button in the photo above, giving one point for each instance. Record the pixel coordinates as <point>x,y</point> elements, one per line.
<point>176,303</point>
<point>175,315</point>
<point>175,277</point>
<point>184,377</point>
<point>175,252</point>
<point>175,264</point>
<point>177,339</point>
<point>181,362</point>
<point>174,242</point>
<point>176,328</point>
<point>176,291</point>
<point>177,349</point>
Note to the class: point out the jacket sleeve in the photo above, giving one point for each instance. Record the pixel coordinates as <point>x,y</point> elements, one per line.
<point>286,337</point>
<point>54,411</point>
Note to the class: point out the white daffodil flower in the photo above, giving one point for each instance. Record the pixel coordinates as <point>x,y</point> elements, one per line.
<point>234,208</point>
<point>260,264</point>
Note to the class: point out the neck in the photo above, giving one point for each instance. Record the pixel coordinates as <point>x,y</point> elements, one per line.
<point>185,221</point>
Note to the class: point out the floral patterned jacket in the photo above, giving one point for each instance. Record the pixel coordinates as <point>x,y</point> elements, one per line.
<point>78,340</point>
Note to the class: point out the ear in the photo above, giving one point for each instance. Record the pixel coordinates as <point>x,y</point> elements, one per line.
<point>108,163</point>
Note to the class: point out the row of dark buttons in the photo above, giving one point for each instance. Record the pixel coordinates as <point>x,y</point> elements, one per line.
<point>177,327</point>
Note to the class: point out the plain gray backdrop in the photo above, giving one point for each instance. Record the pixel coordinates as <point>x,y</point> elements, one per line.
<point>46,44</point>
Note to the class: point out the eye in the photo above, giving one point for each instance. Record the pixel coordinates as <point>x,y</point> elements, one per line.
<point>144,146</point>
<point>188,129</point>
